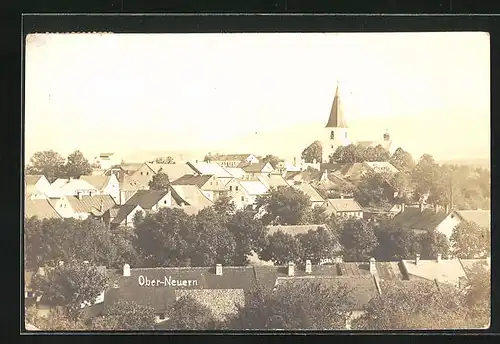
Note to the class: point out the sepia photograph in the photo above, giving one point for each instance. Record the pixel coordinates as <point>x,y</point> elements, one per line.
<point>257,181</point>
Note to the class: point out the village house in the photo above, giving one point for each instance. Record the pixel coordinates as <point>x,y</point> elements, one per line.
<point>237,172</point>
<point>480,217</point>
<point>258,169</point>
<point>122,215</point>
<point>234,160</point>
<point>272,180</point>
<point>83,206</point>
<point>211,169</point>
<point>189,198</point>
<point>344,207</point>
<point>306,176</point>
<point>174,171</point>
<point>253,189</point>
<point>238,194</point>
<point>356,171</point>
<point>40,208</point>
<point>209,185</point>
<point>36,186</point>
<point>151,200</point>
<point>105,185</point>
<point>72,187</point>
<point>128,187</point>
<point>316,199</point>
<point>106,160</point>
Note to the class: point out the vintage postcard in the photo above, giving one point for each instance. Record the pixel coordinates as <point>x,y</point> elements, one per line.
<point>257,181</point>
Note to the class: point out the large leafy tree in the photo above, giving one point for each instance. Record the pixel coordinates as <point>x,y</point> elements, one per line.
<point>313,152</point>
<point>373,190</point>
<point>358,240</point>
<point>211,157</point>
<point>402,160</point>
<point>318,244</point>
<point>377,153</point>
<point>164,160</point>
<point>249,235</point>
<point>272,159</point>
<point>166,238</point>
<point>284,205</point>
<point>316,215</point>
<point>70,285</point>
<point>348,154</point>
<point>304,305</point>
<point>469,241</point>
<point>400,307</point>
<point>433,243</point>
<point>224,206</point>
<point>189,314</point>
<point>396,244</point>
<point>160,181</point>
<point>404,186</point>
<point>424,175</point>
<point>125,315</point>
<point>478,297</point>
<point>48,163</point>
<point>282,248</point>
<point>77,165</point>
<point>56,320</point>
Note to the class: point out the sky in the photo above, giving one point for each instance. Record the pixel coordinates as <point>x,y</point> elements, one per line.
<point>255,93</point>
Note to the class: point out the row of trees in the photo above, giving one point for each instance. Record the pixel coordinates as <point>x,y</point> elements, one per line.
<point>297,305</point>
<point>53,166</point>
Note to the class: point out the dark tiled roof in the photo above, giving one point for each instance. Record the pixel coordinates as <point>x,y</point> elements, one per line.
<point>254,168</point>
<point>97,204</point>
<point>122,212</point>
<point>190,179</point>
<point>413,218</point>
<point>146,198</point>
<point>162,297</point>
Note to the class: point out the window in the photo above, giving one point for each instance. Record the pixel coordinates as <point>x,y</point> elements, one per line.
<point>161,316</point>
<point>147,173</point>
<point>242,198</point>
<point>236,188</point>
<point>332,135</point>
<point>230,188</point>
<point>211,183</point>
<point>165,202</point>
<point>142,173</point>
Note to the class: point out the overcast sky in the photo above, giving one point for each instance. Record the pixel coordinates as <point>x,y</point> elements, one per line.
<point>261,93</point>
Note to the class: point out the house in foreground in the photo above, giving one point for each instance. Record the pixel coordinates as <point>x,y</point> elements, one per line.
<point>36,186</point>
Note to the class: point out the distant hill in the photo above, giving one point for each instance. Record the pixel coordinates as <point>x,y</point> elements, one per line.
<point>476,162</point>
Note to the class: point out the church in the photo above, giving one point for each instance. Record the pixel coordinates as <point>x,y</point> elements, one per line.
<point>336,132</point>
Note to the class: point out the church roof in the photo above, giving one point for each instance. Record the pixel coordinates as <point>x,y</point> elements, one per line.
<point>336,119</point>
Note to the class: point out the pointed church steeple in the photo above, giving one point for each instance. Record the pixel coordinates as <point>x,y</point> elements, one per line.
<point>336,119</point>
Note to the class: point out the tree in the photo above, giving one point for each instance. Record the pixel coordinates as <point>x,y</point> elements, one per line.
<point>273,160</point>
<point>160,181</point>
<point>397,244</point>
<point>282,248</point>
<point>189,314</point>
<point>71,285</point>
<point>316,215</point>
<point>434,243</point>
<point>377,153</point>
<point>34,246</point>
<point>348,154</point>
<point>77,165</point>
<point>478,297</point>
<point>318,244</point>
<point>372,190</point>
<point>125,315</point>
<point>212,241</point>
<point>470,241</point>
<point>56,320</point>
<point>402,160</point>
<point>47,163</point>
<point>164,160</point>
<point>166,238</point>
<point>284,205</point>
<point>302,304</point>
<point>249,235</point>
<point>211,157</point>
<point>401,306</point>
<point>313,152</point>
<point>403,185</point>
<point>423,176</point>
<point>224,206</point>
<point>358,239</point>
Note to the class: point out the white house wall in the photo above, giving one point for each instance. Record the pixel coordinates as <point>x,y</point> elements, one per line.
<point>448,224</point>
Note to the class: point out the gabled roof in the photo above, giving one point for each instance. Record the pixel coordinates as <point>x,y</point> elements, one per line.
<point>336,119</point>
<point>344,204</point>
<point>255,168</point>
<point>191,195</point>
<point>189,179</point>
<point>232,157</point>
<point>413,218</point>
<point>99,182</point>
<point>70,186</point>
<point>387,271</point>
<point>480,217</point>
<point>122,212</point>
<point>253,187</point>
<point>272,180</point>
<point>146,198</point>
<point>41,208</point>
<point>174,171</point>
<point>96,205</point>
<point>236,172</point>
<point>353,171</point>
<point>131,167</point>
<point>310,191</point>
<point>444,271</point>
<point>32,179</point>
<point>306,176</point>
<point>210,169</point>
<point>131,184</point>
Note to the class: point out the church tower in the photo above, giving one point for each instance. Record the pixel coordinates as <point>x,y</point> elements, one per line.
<point>336,130</point>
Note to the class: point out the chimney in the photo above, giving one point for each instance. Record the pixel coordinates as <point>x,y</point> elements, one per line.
<point>439,257</point>
<point>341,196</point>
<point>421,207</point>
<point>218,269</point>
<point>308,266</point>
<point>291,269</point>
<point>402,207</point>
<point>436,208</point>
<point>373,267</point>
<point>447,208</point>
<point>126,270</point>
<point>79,195</point>
<point>41,271</point>
<point>295,162</point>
<point>417,259</point>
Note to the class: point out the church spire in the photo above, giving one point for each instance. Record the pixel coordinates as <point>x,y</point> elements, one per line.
<point>336,119</point>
